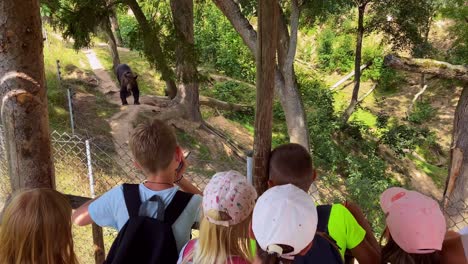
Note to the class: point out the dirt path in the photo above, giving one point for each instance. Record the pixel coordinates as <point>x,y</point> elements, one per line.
<point>121,123</point>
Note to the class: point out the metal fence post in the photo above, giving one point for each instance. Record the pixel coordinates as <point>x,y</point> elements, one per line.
<point>69,97</point>
<point>249,155</point>
<point>90,169</point>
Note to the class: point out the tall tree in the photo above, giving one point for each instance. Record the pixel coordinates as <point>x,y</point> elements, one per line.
<point>111,43</point>
<point>288,95</point>
<point>186,62</point>
<point>405,24</point>
<point>267,29</point>
<point>115,27</point>
<point>23,92</point>
<point>361,5</point>
<point>456,189</point>
<point>152,48</point>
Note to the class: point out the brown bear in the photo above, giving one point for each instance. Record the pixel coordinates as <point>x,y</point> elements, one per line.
<point>128,84</point>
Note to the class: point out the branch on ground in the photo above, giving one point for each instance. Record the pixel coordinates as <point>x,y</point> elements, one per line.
<point>217,104</point>
<point>416,96</point>
<point>349,75</point>
<point>440,69</point>
<point>353,105</point>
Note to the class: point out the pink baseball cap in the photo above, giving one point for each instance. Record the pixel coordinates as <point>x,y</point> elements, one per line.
<point>228,199</point>
<point>284,215</point>
<point>414,220</point>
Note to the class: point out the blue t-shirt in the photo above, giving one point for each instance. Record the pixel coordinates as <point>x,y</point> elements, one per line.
<point>110,210</point>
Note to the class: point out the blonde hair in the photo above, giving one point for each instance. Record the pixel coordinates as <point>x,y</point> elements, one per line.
<point>217,243</point>
<point>36,228</point>
<point>153,145</point>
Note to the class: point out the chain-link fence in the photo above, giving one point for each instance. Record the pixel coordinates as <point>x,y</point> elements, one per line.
<point>89,167</point>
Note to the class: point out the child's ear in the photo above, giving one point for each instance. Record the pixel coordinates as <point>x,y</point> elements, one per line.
<point>178,154</point>
<point>270,184</point>
<point>137,165</point>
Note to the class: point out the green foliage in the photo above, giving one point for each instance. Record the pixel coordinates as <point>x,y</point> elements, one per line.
<point>388,80</point>
<point>77,19</point>
<point>423,112</point>
<point>457,10</point>
<point>335,53</point>
<point>403,137</point>
<point>220,46</point>
<point>128,29</point>
<point>405,23</point>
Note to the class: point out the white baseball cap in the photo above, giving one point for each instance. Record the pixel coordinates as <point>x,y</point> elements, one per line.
<point>284,215</point>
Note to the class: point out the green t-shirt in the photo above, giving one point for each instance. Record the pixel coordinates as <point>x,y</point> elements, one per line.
<point>342,227</point>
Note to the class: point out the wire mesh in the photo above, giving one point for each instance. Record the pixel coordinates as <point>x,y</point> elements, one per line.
<point>112,164</point>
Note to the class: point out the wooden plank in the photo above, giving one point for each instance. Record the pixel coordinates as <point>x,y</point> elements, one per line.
<point>266,61</point>
<point>77,201</point>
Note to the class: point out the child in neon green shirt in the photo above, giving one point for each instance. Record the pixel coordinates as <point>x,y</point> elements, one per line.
<point>292,164</point>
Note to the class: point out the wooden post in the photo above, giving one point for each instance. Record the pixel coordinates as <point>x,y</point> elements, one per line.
<point>98,244</point>
<point>266,61</point>
<point>23,95</point>
<point>98,237</point>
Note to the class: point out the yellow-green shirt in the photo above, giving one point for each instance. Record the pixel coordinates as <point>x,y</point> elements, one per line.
<point>342,227</point>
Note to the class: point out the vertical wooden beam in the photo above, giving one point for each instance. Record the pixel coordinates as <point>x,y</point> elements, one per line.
<point>98,244</point>
<point>266,61</point>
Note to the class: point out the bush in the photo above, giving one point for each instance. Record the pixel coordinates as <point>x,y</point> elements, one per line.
<point>128,26</point>
<point>422,112</point>
<point>220,46</point>
<point>335,53</point>
<point>403,137</point>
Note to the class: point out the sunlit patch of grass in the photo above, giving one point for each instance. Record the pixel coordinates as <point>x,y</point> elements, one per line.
<point>437,174</point>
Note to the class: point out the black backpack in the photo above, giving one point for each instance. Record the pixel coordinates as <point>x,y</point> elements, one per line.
<point>143,239</point>
<point>324,249</point>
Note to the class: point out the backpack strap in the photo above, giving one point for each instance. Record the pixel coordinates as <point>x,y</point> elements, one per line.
<point>323,212</point>
<point>132,198</point>
<point>177,206</point>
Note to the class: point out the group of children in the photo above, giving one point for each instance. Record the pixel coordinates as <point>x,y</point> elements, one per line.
<point>283,225</point>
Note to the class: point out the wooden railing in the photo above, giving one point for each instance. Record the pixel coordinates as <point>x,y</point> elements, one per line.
<point>98,238</point>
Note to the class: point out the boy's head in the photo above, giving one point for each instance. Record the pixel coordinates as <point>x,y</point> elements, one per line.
<point>291,164</point>
<point>154,146</point>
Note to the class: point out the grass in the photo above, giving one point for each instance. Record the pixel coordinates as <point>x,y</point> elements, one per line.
<point>56,94</point>
<point>149,81</point>
<point>437,174</point>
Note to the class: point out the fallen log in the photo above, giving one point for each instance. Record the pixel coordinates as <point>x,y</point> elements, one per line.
<point>215,103</point>
<point>440,69</point>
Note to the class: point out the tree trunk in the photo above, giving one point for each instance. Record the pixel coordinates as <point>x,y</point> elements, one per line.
<point>267,30</point>
<point>153,50</point>
<point>112,44</point>
<point>186,61</point>
<point>289,96</point>
<point>23,92</point>
<point>357,65</point>
<point>456,189</point>
<point>440,69</point>
<point>115,27</point>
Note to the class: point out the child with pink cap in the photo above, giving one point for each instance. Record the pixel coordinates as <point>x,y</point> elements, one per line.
<point>228,202</point>
<point>415,227</point>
